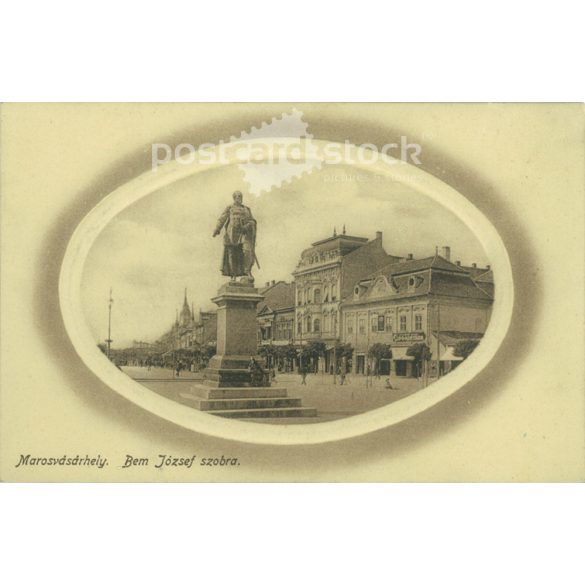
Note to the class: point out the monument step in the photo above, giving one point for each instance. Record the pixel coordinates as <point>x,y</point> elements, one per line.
<point>242,392</point>
<point>245,403</point>
<point>299,411</point>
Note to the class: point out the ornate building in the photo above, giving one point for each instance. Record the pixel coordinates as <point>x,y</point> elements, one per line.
<point>429,300</point>
<point>325,274</point>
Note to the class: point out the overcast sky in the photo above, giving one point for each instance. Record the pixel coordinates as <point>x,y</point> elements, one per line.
<point>161,245</point>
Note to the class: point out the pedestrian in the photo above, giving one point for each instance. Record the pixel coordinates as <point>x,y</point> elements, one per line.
<point>388,385</point>
<point>303,372</point>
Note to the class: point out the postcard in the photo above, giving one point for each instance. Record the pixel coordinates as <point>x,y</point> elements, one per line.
<point>292,292</point>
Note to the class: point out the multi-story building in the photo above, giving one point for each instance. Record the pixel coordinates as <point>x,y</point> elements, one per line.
<point>428,300</point>
<point>325,274</point>
<point>276,314</point>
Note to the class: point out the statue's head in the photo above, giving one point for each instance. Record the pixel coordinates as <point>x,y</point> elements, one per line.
<point>238,197</point>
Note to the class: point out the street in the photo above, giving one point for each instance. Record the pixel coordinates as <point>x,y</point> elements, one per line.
<point>332,401</point>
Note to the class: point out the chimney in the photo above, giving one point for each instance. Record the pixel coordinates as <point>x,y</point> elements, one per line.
<point>273,282</point>
<point>378,235</point>
<point>447,253</point>
<point>474,265</point>
<point>458,262</point>
<point>409,257</point>
<point>488,267</point>
<point>267,284</point>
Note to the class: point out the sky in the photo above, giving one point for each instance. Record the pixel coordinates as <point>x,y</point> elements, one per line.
<point>163,244</point>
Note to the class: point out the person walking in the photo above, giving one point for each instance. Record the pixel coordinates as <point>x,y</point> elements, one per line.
<point>303,372</point>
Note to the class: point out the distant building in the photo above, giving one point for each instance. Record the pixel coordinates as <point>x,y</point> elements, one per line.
<point>429,300</point>
<point>325,274</point>
<point>190,331</point>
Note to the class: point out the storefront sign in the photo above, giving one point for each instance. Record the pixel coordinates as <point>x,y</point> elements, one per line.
<point>408,337</point>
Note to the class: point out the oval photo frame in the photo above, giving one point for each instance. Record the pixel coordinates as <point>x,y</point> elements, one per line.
<point>88,230</point>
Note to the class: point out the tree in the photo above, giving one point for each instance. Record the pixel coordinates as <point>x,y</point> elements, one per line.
<point>344,350</point>
<point>422,354</point>
<point>286,354</point>
<point>269,353</point>
<point>312,351</point>
<point>465,347</point>
<point>379,351</point>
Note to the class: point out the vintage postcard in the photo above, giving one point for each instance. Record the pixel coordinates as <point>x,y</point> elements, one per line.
<point>292,292</point>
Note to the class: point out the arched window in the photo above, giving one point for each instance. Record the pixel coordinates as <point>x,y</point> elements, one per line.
<point>309,324</point>
<point>299,326</point>
<point>333,292</point>
<point>317,296</point>
<point>326,295</point>
<point>316,325</point>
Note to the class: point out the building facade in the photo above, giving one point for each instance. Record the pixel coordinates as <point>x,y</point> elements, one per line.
<point>429,300</point>
<point>325,274</point>
<point>276,314</point>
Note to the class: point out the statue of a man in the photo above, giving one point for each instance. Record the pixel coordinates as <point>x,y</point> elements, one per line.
<point>239,239</point>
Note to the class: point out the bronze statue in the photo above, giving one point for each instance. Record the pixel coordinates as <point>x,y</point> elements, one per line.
<point>239,240</point>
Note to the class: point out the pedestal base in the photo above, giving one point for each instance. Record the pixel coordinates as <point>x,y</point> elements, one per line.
<point>246,402</point>
<point>228,371</point>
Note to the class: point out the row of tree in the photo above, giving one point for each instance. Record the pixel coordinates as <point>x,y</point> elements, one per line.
<point>286,355</point>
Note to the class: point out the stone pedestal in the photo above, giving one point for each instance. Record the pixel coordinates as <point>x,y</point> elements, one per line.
<point>237,338</point>
<point>227,389</point>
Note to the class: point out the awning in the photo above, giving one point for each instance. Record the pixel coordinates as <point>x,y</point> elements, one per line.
<point>399,353</point>
<point>447,355</point>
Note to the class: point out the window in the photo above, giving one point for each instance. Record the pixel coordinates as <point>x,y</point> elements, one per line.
<point>402,322</point>
<point>381,323</point>
<point>388,322</point>
<point>316,325</point>
<point>334,323</point>
<point>374,323</point>
<point>317,296</point>
<point>350,325</point>
<point>333,292</point>
<point>299,327</point>
<point>309,324</point>
<point>418,323</point>
<point>326,295</point>
<point>326,320</point>
<point>300,295</point>
<point>362,328</point>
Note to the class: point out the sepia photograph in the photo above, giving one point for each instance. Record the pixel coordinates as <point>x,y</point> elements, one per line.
<point>321,299</point>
